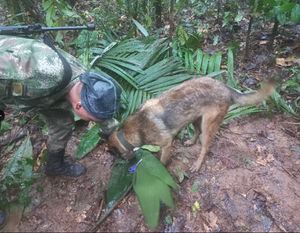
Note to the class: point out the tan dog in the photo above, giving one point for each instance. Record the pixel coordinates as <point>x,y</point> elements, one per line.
<point>202,101</point>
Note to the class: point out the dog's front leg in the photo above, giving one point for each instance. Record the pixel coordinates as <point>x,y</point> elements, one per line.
<point>165,153</point>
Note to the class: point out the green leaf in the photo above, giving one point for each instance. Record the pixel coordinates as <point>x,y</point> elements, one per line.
<point>119,183</point>
<point>282,105</point>
<point>205,64</point>
<point>211,64</point>
<point>88,142</point>
<point>5,126</point>
<point>141,28</point>
<point>236,111</point>
<point>198,63</point>
<point>148,196</point>
<point>239,16</point>
<point>295,13</point>
<point>151,148</point>
<point>20,166</point>
<point>218,60</point>
<point>154,167</point>
<point>232,82</point>
<point>150,190</point>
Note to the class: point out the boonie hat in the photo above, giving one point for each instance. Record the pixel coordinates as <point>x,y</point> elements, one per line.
<point>100,95</point>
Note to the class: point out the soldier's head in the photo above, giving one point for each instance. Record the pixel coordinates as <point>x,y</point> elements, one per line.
<point>96,97</point>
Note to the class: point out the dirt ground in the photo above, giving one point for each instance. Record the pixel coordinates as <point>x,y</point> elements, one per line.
<point>250,181</point>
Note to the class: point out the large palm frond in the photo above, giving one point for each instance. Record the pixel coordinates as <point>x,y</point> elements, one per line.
<point>143,70</point>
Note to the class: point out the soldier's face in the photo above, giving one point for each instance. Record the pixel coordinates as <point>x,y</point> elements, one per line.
<point>82,113</point>
<point>74,98</point>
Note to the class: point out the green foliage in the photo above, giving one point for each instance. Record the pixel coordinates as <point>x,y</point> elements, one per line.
<point>152,184</point>
<point>292,85</point>
<point>143,69</point>
<point>236,111</point>
<point>280,104</point>
<point>5,126</point>
<point>120,181</point>
<point>17,176</point>
<point>284,11</point>
<point>232,82</point>
<point>197,62</point>
<point>140,27</point>
<point>19,10</point>
<point>88,141</point>
<point>58,12</point>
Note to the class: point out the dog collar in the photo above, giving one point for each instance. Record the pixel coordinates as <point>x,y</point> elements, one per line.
<point>124,142</point>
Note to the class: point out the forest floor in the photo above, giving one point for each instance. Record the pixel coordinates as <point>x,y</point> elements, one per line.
<point>250,181</point>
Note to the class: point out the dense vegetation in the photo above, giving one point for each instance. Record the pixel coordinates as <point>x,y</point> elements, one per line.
<point>150,46</point>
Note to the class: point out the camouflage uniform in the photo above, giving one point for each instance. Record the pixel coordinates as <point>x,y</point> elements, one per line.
<point>29,72</point>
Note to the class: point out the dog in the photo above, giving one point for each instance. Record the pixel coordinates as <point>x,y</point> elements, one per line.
<point>202,101</point>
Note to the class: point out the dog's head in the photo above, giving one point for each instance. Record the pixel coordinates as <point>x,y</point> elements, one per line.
<point>118,147</point>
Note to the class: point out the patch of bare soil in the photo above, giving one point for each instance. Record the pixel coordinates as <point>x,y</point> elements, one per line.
<point>250,181</point>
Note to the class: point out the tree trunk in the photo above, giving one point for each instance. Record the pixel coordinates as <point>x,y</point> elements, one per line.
<point>274,34</point>
<point>248,38</point>
<point>171,18</point>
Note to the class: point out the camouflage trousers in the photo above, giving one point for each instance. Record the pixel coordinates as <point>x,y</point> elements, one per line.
<point>60,126</point>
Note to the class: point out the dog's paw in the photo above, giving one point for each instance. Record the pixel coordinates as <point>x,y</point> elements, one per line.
<point>195,167</point>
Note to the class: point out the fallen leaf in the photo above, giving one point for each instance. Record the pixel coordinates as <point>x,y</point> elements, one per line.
<point>196,207</point>
<point>289,61</point>
<point>40,158</point>
<point>270,158</point>
<point>262,42</point>
<point>261,161</point>
<point>213,219</point>
<point>264,161</point>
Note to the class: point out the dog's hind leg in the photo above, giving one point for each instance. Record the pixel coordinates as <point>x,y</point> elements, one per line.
<point>197,127</point>
<point>210,124</point>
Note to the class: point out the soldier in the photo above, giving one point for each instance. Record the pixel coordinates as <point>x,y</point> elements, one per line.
<point>36,76</point>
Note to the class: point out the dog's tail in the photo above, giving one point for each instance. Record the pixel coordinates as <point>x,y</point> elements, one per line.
<point>256,97</point>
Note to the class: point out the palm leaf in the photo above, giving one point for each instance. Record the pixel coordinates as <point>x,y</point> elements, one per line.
<point>143,70</point>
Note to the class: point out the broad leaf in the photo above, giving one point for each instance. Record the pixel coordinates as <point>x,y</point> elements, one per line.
<point>20,166</point>
<point>155,168</point>
<point>151,148</point>
<point>88,142</point>
<point>151,189</point>
<point>120,182</point>
<point>140,27</point>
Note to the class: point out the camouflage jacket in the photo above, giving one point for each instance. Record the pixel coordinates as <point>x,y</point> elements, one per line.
<point>29,69</point>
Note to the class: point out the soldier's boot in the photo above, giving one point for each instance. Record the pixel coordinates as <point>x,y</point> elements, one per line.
<point>2,219</point>
<point>56,165</point>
